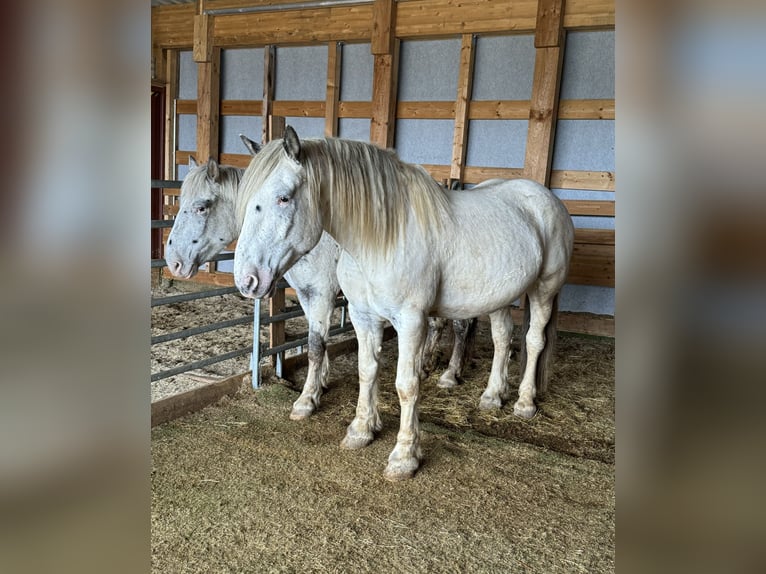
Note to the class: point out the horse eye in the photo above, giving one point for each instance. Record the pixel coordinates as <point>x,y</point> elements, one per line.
<point>201,209</point>
<point>283,199</point>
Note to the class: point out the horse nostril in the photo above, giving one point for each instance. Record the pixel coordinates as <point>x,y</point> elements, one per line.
<point>251,282</point>
<point>175,267</point>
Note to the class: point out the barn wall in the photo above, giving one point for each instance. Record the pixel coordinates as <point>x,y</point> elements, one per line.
<point>470,91</point>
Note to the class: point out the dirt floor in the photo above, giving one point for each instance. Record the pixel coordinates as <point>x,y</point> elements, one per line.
<point>238,487</point>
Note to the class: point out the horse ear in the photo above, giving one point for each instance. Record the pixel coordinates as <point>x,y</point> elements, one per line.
<point>192,162</point>
<point>292,143</point>
<point>212,169</point>
<point>251,146</point>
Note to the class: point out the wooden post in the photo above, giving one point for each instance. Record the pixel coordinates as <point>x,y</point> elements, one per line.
<point>171,95</point>
<point>543,112</point>
<point>332,99</point>
<point>208,106</point>
<point>464,87</point>
<point>385,49</point>
<point>269,84</point>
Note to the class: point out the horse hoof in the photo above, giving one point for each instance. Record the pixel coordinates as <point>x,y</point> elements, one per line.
<point>524,411</point>
<point>447,381</point>
<point>301,411</point>
<point>489,403</point>
<point>401,469</point>
<point>356,441</point>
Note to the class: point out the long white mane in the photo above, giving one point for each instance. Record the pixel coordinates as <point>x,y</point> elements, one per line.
<point>195,181</point>
<point>369,191</point>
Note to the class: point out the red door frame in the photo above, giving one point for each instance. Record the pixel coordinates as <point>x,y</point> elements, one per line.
<point>158,163</point>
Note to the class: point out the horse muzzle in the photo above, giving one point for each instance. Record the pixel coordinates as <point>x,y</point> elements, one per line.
<point>256,283</point>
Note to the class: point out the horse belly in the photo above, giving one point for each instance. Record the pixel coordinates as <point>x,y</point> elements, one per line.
<point>479,279</point>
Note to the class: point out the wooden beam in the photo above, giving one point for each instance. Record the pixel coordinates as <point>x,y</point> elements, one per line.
<point>277,329</point>
<point>590,207</point>
<point>436,110</point>
<point>384,82</point>
<point>355,109</point>
<point>171,126</point>
<point>202,50</point>
<point>176,406</point>
<point>549,28</point>
<point>236,159</point>
<point>332,95</point>
<point>586,109</point>
<point>298,108</point>
<point>269,85</point>
<point>543,114</point>
<point>241,108</point>
<point>593,180</point>
<point>499,110</point>
<point>385,50</point>
<point>383,22</point>
<point>473,174</point>
<point>449,17</point>
<point>173,26</point>
<point>208,106</point>
<point>464,87</point>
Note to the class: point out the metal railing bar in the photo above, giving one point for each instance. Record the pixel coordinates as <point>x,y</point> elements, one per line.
<point>219,257</point>
<point>201,363</point>
<point>159,301</point>
<point>169,183</point>
<point>302,341</point>
<point>162,223</point>
<point>190,332</point>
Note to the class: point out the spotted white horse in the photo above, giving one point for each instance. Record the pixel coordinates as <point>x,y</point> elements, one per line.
<point>206,224</point>
<point>410,251</point>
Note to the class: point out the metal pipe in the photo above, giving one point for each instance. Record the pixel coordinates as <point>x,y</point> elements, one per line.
<point>159,301</point>
<point>219,257</point>
<point>255,356</point>
<point>283,7</point>
<point>302,341</point>
<point>183,334</point>
<point>169,183</point>
<point>162,223</point>
<point>199,364</point>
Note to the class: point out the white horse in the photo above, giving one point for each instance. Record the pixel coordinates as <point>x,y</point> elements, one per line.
<point>206,224</point>
<point>410,250</point>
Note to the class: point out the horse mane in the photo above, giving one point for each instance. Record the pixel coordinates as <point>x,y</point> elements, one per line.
<point>228,178</point>
<point>371,193</point>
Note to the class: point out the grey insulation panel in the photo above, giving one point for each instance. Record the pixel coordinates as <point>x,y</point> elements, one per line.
<point>504,67</point>
<point>428,70</point>
<point>301,73</point>
<point>354,129</point>
<point>232,126</point>
<point>356,73</point>
<point>187,76</point>
<point>425,141</point>
<point>242,74</point>
<point>588,65</point>
<point>497,143</point>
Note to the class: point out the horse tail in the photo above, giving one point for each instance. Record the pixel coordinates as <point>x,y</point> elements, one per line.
<point>542,371</point>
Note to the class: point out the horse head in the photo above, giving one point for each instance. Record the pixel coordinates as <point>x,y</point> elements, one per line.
<point>280,222</point>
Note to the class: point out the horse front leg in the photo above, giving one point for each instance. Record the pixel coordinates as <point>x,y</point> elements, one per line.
<point>318,309</point>
<point>369,334</point>
<point>465,331</point>
<point>404,460</point>
<point>497,391</point>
